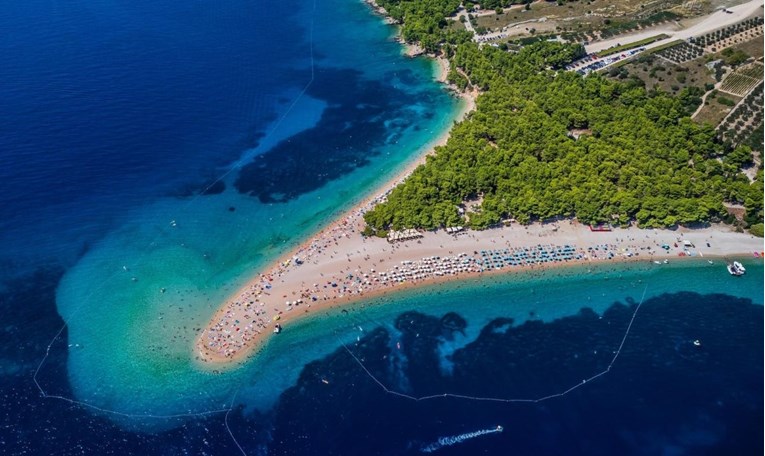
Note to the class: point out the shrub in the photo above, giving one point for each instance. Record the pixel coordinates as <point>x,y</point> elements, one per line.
<point>726,101</point>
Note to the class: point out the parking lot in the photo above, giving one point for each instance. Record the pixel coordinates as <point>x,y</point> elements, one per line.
<point>591,62</point>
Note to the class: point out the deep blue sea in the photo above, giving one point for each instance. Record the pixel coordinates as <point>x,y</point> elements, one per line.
<point>176,146</point>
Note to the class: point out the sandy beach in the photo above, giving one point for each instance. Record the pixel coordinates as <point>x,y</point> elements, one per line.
<point>340,266</point>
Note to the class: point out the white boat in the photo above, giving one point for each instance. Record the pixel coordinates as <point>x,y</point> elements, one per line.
<point>734,271</point>
<point>739,266</point>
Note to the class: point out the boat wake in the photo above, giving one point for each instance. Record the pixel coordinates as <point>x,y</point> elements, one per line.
<point>455,439</point>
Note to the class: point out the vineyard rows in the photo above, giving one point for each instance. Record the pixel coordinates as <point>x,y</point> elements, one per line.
<point>738,84</point>
<point>754,70</point>
<point>743,79</point>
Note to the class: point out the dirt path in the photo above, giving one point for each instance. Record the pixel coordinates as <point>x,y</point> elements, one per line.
<point>704,98</point>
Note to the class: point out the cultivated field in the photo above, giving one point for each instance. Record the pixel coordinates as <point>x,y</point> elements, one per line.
<point>737,84</point>
<point>739,125</point>
<point>681,53</point>
<point>720,39</point>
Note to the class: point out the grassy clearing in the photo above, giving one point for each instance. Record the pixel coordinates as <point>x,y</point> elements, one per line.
<point>713,111</point>
<point>753,47</point>
<point>662,75</point>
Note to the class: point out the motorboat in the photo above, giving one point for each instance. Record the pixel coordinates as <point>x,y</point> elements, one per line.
<point>734,271</point>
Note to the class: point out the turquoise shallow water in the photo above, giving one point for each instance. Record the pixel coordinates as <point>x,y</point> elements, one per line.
<point>135,302</point>
<point>545,296</point>
<point>167,381</point>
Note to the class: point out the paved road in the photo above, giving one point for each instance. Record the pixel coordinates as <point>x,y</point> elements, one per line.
<point>714,21</point>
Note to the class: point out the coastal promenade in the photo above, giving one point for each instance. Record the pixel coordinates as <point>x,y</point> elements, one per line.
<point>339,266</point>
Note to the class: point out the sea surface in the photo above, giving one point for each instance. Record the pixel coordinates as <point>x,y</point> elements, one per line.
<point>153,154</point>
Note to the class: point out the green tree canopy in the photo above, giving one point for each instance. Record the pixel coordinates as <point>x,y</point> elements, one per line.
<point>634,155</point>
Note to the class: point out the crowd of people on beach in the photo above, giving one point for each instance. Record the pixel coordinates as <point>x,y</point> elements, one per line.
<point>259,308</point>
<point>246,316</point>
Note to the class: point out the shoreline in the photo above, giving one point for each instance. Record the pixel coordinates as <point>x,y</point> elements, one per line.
<point>471,279</point>
<point>409,49</point>
<point>353,216</point>
<point>345,268</point>
<point>380,11</point>
<point>337,266</point>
